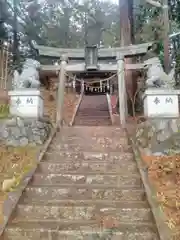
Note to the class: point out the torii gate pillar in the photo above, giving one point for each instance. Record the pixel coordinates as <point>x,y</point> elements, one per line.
<point>122,91</point>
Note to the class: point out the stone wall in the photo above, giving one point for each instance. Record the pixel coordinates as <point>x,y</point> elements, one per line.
<point>17,131</point>
<point>152,133</point>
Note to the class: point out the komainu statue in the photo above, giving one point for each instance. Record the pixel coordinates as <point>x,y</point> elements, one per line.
<point>156,77</point>
<point>29,78</point>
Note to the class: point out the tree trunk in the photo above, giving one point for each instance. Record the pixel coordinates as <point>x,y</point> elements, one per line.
<point>15,35</point>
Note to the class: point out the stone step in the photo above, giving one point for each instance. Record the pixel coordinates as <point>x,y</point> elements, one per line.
<point>93,114</point>
<point>90,123</point>
<point>85,106</point>
<point>117,180</point>
<point>92,119</point>
<point>82,192</point>
<point>89,104</point>
<point>99,131</point>
<point>87,166</point>
<point>79,202</point>
<point>110,157</point>
<point>128,212</point>
<point>100,102</point>
<point>48,230</point>
<point>90,147</point>
<point>64,137</point>
<point>92,111</point>
<point>89,142</point>
<point>96,117</point>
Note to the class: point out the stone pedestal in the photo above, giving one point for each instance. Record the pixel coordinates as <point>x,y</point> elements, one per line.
<point>18,131</point>
<point>26,103</point>
<point>161,103</point>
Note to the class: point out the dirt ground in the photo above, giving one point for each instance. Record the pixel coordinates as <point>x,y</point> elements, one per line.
<point>70,101</point>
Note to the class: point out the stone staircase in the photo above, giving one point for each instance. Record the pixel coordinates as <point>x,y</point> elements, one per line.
<point>93,111</point>
<point>87,177</point>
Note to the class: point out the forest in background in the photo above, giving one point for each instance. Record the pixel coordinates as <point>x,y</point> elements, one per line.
<point>64,23</point>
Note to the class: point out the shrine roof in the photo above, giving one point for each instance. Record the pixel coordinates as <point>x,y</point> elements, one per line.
<point>131,50</point>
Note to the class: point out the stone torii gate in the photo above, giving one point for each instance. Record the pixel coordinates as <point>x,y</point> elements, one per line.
<point>77,63</point>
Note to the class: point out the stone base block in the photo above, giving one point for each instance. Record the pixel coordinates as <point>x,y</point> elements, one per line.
<point>18,131</point>
<point>26,103</point>
<point>161,103</point>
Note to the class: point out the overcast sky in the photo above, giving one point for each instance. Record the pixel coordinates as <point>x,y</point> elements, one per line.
<point>114,1</point>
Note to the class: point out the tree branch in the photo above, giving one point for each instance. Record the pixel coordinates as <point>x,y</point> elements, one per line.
<point>154,3</point>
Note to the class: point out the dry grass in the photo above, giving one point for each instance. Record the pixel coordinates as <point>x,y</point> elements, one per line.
<point>14,159</point>
<point>4,111</point>
<point>164,174</point>
<point>15,162</point>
